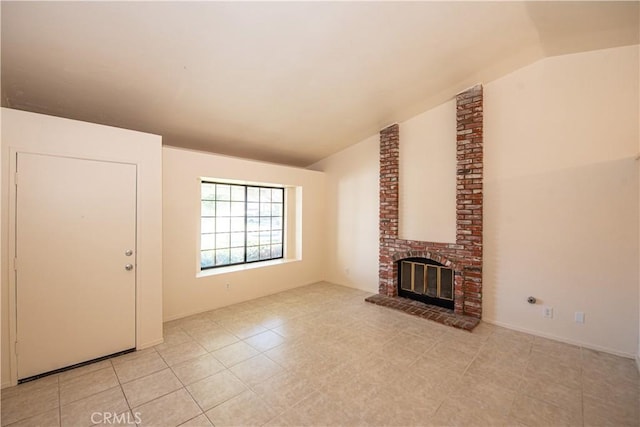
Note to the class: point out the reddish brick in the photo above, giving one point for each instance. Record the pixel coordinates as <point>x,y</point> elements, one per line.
<point>467,251</point>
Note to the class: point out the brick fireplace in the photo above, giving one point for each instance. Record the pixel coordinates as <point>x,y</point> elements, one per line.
<point>464,256</point>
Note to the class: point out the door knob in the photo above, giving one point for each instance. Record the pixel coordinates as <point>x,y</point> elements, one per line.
<point>128,252</point>
<point>128,267</point>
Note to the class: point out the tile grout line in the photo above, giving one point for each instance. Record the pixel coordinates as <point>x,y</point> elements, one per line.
<point>59,402</point>
<point>249,388</point>
<point>440,339</point>
<point>121,388</point>
<point>91,394</point>
<point>582,385</point>
<point>325,338</point>
<point>184,387</point>
<point>228,368</point>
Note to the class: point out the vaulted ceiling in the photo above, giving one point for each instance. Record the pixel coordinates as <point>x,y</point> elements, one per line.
<point>288,82</point>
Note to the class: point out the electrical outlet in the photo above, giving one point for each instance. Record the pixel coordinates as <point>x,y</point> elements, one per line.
<point>547,312</point>
<point>579,317</point>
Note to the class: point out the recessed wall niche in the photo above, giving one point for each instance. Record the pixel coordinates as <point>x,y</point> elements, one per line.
<point>427,196</point>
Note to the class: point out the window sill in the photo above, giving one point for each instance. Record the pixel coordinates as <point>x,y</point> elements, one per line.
<point>242,267</point>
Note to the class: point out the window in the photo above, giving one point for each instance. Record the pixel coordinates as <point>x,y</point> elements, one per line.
<point>240,224</point>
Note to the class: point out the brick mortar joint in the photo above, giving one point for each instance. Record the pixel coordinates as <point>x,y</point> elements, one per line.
<point>468,246</point>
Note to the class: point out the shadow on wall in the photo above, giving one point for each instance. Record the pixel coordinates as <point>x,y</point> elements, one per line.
<point>569,238</point>
<point>352,211</point>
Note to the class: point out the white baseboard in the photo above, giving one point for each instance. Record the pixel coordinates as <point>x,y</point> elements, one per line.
<point>187,314</point>
<point>353,286</point>
<point>564,340</point>
<point>150,344</point>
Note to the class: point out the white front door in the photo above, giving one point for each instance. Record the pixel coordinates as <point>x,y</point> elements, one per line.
<point>75,261</point>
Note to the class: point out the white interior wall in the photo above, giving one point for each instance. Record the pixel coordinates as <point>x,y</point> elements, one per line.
<point>23,131</point>
<point>428,176</point>
<point>186,291</point>
<point>352,214</point>
<point>427,195</point>
<point>561,200</point>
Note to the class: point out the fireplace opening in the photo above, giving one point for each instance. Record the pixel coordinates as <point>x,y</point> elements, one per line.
<point>427,281</point>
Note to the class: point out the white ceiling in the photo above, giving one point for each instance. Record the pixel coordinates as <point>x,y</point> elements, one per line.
<point>288,82</point>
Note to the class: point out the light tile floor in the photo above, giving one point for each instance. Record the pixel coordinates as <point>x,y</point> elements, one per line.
<point>320,356</point>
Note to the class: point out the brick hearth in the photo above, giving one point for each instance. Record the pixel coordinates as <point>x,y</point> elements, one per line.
<point>430,312</point>
<point>465,255</point>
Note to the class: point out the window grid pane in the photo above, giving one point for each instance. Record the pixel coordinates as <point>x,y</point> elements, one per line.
<point>240,224</point>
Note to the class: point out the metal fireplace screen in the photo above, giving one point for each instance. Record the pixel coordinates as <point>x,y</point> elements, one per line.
<point>428,280</point>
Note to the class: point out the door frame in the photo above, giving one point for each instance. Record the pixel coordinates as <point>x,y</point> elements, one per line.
<point>11,252</point>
